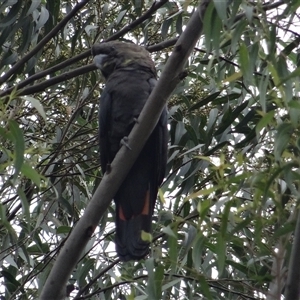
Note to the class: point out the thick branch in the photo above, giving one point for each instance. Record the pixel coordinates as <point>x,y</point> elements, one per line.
<point>278,271</point>
<point>292,288</point>
<point>70,253</point>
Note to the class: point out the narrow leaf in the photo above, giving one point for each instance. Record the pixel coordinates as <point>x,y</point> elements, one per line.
<point>19,144</point>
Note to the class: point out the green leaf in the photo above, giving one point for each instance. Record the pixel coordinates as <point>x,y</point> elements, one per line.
<point>120,16</point>
<point>30,173</point>
<point>205,101</point>
<point>285,229</point>
<point>283,135</point>
<point>173,251</point>
<point>197,250</point>
<point>5,223</point>
<point>207,26</point>
<point>37,105</point>
<point>205,288</point>
<point>224,220</point>
<point>264,121</point>
<point>19,145</point>
<point>236,34</point>
<point>25,204</point>
<point>170,284</point>
<point>158,277</point>
<point>63,229</point>
<point>244,60</point>
<point>167,230</point>
<point>221,8</point>
<point>229,118</point>
<point>149,263</point>
<point>34,5</point>
<point>12,282</point>
<point>165,28</point>
<point>216,31</point>
<point>294,104</point>
<point>146,236</point>
<point>221,253</point>
<point>43,18</point>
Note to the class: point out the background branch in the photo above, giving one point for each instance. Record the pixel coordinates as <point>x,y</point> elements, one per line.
<point>44,41</point>
<point>39,87</point>
<point>82,70</point>
<point>71,60</point>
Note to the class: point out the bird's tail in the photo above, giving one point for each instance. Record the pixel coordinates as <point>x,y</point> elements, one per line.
<point>132,234</point>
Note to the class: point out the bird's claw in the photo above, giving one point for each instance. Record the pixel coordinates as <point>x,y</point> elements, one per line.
<point>124,142</point>
<point>108,168</point>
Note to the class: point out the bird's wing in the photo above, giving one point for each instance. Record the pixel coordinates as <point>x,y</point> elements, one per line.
<point>104,124</point>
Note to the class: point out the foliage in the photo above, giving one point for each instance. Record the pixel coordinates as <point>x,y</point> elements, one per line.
<point>228,209</point>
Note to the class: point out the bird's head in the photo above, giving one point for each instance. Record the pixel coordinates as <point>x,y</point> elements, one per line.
<point>114,55</point>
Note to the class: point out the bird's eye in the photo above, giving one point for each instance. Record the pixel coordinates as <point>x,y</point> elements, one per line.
<point>112,48</point>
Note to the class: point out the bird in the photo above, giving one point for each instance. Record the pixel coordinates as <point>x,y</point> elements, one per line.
<point>130,77</point>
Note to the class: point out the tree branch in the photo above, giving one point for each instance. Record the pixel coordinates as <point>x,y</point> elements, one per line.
<point>76,72</point>
<point>279,270</point>
<point>46,72</point>
<point>44,41</point>
<point>77,58</point>
<point>292,288</point>
<point>70,253</point>
<point>265,7</point>
<point>39,87</point>
<point>79,71</point>
<point>156,5</point>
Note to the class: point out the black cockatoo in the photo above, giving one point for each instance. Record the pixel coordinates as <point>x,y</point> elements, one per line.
<point>130,77</point>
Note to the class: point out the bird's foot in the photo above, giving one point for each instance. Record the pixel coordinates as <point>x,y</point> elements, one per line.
<point>124,142</point>
<point>108,168</point>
